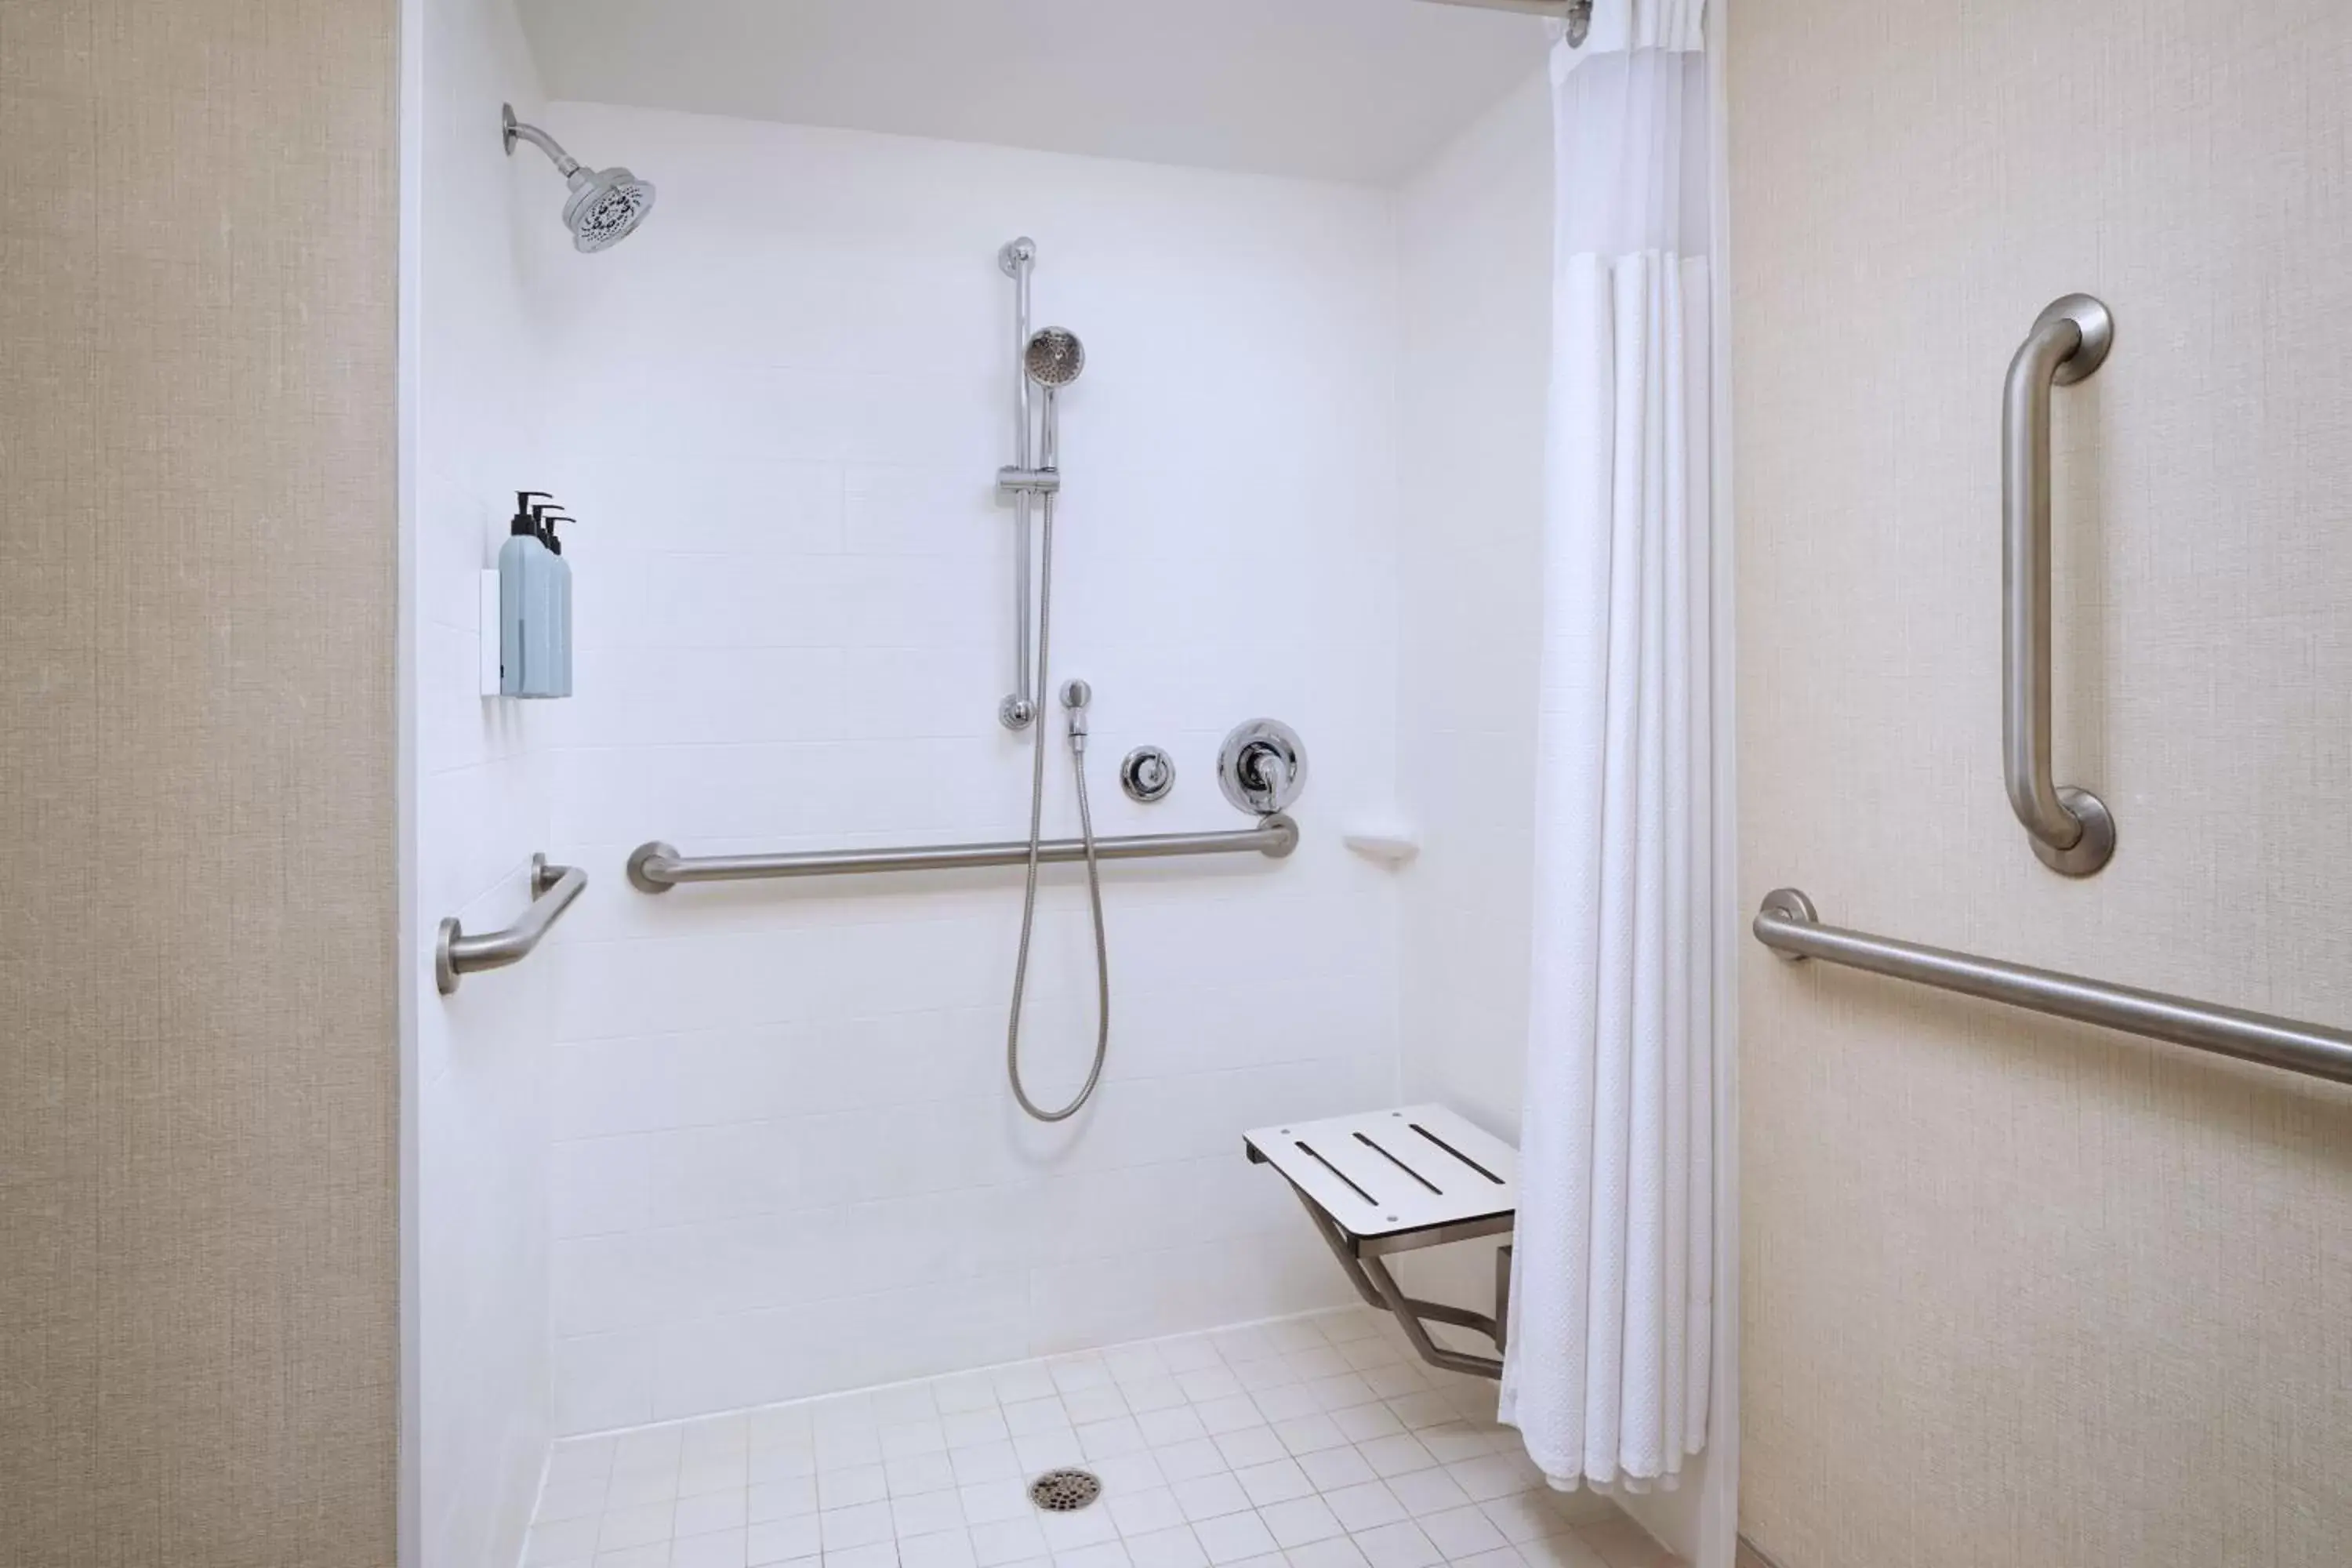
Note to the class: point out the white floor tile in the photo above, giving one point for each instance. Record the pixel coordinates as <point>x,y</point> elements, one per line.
<point>1300,1522</point>
<point>942,1549</point>
<point>1187,1352</point>
<point>864,1525</point>
<point>1278,1482</point>
<point>1046,1414</point>
<point>717,1549</point>
<point>560,1500</point>
<point>965,1392</point>
<point>1367,1507</point>
<point>1066,1533</point>
<point>1143,1513</point>
<point>1023,1381</point>
<point>848,1488</point>
<point>1233,1537</point>
<point>783,1540</point>
<point>711,1512</point>
<point>911,1474</point>
<point>1179,1423</point>
<point>1154,1393</point>
<point>1308,1433</point>
<point>903,1438</point>
<point>1461,1533</point>
<point>1228,1415</point>
<point>794,1498</point>
<point>1102,1554</point>
<point>789,1462</point>
<point>1493,1476</point>
<point>1524,1516</point>
<point>1558,1552</point>
<point>847,1451</point>
<point>1210,1496</point>
<point>1337,1552</point>
<point>906,1401</point>
<point>1397,1453</point>
<point>1131,1472</point>
<point>1088,1405</point>
<point>1251,1446</point>
<point>653,1556</point>
<point>924,1515</point>
<point>881,1554</point>
<point>983,1462</point>
<point>1105,1439</point>
<point>1501,1557</point>
<point>1400,1545</point>
<point>560,1541</point>
<point>968,1428</point>
<point>1428,1491</point>
<point>1184,1461</point>
<point>1332,1469</point>
<point>1006,1541</point>
<point>1453,1442</point>
<point>1286,1404</point>
<point>1176,1548</point>
<point>635,1526</point>
<point>992,1500</point>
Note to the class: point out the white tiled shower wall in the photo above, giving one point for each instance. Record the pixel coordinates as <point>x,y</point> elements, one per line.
<point>785,1159</point>
<point>479,785</point>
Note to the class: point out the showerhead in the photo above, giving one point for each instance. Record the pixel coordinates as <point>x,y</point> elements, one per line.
<point>606,205</point>
<point>1055,357</point>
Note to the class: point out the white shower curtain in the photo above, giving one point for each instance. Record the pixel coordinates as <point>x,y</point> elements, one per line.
<point>1607,1372</point>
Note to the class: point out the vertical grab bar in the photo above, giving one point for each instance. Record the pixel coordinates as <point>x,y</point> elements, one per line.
<point>2071,828</point>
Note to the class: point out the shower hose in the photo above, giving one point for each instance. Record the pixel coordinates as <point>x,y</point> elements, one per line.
<point>1094,871</point>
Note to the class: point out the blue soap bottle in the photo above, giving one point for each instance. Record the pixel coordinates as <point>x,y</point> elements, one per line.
<point>528,616</point>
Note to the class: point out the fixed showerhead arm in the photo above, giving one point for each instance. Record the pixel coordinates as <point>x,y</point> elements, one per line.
<point>515,131</point>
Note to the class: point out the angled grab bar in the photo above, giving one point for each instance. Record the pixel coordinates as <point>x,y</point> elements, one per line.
<point>657,867</point>
<point>1787,925</point>
<point>553,889</point>
<point>2072,829</point>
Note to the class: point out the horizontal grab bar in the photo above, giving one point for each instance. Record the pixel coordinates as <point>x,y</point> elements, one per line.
<point>553,889</point>
<point>1789,926</point>
<point>657,867</point>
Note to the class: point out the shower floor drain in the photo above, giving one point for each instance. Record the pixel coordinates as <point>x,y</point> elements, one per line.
<point>1066,1492</point>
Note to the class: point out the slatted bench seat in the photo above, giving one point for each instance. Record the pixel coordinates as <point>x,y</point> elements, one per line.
<point>1390,1181</point>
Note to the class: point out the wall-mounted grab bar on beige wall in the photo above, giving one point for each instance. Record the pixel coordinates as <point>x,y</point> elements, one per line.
<point>2071,828</point>
<point>553,889</point>
<point>1787,925</point>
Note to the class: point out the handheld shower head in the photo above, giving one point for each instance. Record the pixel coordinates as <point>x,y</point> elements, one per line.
<point>606,205</point>
<point>1055,357</point>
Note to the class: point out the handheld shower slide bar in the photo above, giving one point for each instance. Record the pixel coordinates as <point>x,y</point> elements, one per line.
<point>657,867</point>
<point>1789,926</point>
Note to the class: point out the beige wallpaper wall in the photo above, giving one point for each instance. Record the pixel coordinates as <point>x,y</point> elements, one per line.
<point>198,1068</point>
<point>2019,1294</point>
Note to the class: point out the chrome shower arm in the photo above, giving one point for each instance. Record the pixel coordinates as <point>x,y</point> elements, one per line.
<point>515,131</point>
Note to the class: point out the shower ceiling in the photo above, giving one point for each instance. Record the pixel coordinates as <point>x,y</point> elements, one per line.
<point>1347,89</point>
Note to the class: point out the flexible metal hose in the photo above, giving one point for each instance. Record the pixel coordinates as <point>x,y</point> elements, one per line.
<point>1093,873</point>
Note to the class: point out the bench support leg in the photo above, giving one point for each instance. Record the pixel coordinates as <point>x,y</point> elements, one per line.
<point>1379,1287</point>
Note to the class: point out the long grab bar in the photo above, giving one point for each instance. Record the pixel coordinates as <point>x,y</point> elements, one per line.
<point>553,889</point>
<point>2072,829</point>
<point>657,867</point>
<point>1789,926</point>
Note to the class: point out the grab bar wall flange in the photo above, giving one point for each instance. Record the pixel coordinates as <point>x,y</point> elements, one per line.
<point>456,954</point>
<point>657,867</point>
<point>1788,925</point>
<point>2071,829</point>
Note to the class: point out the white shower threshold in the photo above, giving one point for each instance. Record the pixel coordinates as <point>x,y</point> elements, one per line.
<point>1309,1442</point>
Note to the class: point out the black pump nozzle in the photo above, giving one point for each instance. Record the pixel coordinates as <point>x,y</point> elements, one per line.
<point>547,518</point>
<point>526,517</point>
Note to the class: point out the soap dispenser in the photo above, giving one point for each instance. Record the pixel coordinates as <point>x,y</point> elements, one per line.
<point>558,667</point>
<point>529,617</point>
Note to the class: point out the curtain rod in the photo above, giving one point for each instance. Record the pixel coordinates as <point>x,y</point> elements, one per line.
<point>1576,14</point>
